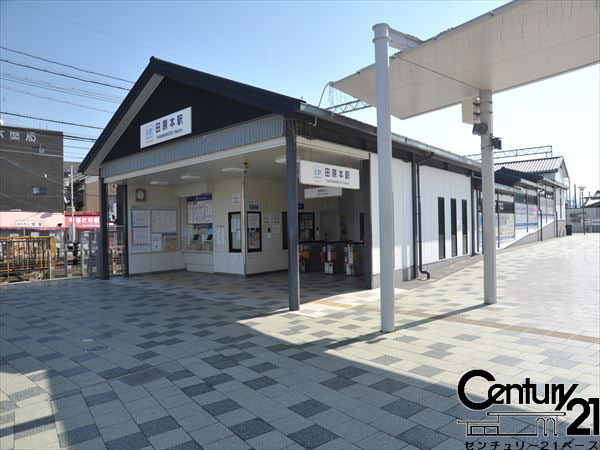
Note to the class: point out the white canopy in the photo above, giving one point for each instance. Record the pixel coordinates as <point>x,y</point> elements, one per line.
<point>519,43</point>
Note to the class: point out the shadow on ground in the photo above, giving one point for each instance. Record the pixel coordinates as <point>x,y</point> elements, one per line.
<point>92,364</point>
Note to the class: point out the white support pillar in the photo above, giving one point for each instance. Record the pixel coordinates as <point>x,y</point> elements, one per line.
<point>488,200</point>
<point>384,156</point>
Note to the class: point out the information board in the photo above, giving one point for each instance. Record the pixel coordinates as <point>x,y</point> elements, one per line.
<point>153,230</point>
<point>164,221</point>
<point>199,209</point>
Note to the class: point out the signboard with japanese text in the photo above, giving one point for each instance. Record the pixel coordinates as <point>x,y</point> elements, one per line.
<point>200,209</point>
<point>321,192</point>
<point>18,135</point>
<point>166,128</point>
<point>320,174</point>
<point>83,221</point>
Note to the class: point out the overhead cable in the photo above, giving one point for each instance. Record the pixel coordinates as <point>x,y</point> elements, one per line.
<point>52,120</point>
<point>58,88</point>
<point>58,100</point>
<point>63,74</point>
<point>91,72</point>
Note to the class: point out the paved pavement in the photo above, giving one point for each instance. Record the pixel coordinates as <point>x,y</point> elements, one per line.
<point>190,361</point>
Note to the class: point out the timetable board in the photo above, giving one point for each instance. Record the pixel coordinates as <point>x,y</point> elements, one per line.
<point>199,209</point>
<point>153,230</point>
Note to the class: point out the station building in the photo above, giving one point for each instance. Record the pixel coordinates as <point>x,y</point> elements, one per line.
<point>216,176</point>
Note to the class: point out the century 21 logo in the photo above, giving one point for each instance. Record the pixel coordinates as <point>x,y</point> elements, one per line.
<point>529,393</point>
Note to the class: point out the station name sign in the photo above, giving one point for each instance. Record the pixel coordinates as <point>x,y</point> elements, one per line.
<point>166,128</point>
<point>320,174</point>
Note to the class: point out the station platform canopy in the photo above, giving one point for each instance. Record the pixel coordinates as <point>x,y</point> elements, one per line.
<point>514,45</point>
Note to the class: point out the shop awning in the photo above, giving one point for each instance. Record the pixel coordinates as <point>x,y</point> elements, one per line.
<point>516,44</point>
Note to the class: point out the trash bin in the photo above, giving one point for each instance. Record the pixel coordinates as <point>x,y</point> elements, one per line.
<point>569,229</point>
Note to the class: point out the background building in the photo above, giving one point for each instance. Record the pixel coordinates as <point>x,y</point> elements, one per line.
<point>31,179</point>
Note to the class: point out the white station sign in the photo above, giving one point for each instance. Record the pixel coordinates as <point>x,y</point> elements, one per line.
<point>320,174</point>
<point>166,128</point>
<point>321,192</point>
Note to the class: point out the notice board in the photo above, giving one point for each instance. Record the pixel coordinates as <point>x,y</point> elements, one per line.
<point>153,230</point>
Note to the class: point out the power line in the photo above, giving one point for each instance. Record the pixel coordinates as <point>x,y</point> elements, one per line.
<point>37,207</point>
<point>64,89</point>
<point>44,176</point>
<point>65,65</point>
<point>51,120</point>
<point>63,74</point>
<point>76,146</point>
<point>58,100</point>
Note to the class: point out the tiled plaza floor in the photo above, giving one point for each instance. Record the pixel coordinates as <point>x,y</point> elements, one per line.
<point>190,361</point>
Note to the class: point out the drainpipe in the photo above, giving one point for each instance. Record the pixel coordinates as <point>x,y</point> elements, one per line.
<point>415,234</point>
<point>473,216</point>
<point>419,214</point>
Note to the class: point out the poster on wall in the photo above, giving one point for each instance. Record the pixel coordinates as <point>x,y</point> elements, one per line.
<point>220,234</point>
<point>200,209</point>
<point>140,217</point>
<point>236,199</point>
<point>170,243</point>
<point>253,220</point>
<point>507,226</point>
<point>164,221</point>
<point>156,242</point>
<point>140,235</point>
<point>532,215</point>
<point>520,215</point>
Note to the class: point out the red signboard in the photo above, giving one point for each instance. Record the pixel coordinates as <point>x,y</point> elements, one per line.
<point>83,221</point>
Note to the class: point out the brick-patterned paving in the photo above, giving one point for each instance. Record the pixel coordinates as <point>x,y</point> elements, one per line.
<point>186,360</point>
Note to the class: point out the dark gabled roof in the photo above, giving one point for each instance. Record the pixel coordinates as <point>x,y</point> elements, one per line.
<point>505,171</point>
<point>271,101</point>
<point>539,165</point>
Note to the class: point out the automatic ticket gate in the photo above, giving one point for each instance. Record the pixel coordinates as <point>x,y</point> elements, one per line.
<point>353,258</point>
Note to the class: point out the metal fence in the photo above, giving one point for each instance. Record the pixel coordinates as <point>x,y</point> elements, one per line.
<point>116,251</point>
<point>584,219</point>
<point>27,255</point>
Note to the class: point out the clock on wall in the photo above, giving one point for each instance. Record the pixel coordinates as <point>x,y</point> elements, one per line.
<point>140,195</point>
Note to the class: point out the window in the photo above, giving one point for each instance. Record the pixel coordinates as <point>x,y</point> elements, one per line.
<point>235,232</point>
<point>464,230</point>
<point>39,190</point>
<point>441,228</point>
<point>41,150</point>
<point>453,226</point>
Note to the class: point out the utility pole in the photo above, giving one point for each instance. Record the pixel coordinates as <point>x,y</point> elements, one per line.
<point>72,209</point>
<point>581,188</point>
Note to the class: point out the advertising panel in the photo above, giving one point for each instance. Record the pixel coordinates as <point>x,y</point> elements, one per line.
<point>520,215</point>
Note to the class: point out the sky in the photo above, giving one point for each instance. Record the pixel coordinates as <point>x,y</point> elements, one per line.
<point>293,48</point>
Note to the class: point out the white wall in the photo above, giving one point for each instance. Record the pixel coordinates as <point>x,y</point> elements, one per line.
<point>442,183</point>
<point>156,197</point>
<point>270,198</point>
<point>402,194</point>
